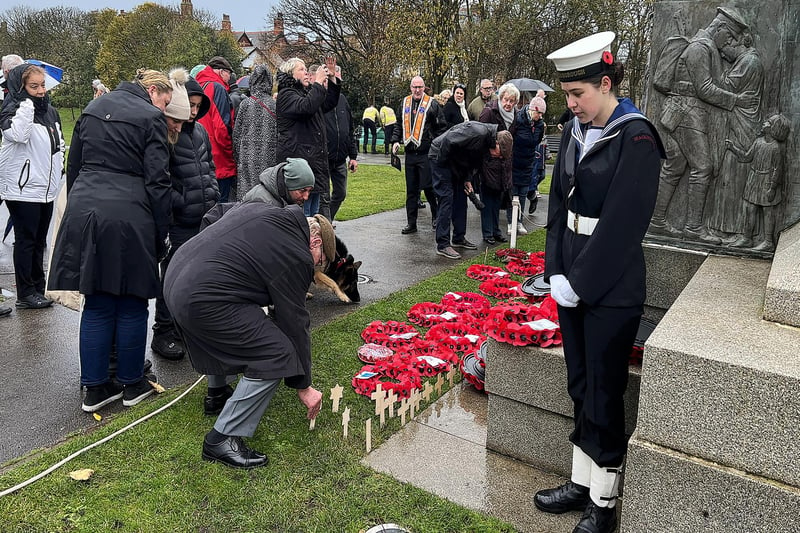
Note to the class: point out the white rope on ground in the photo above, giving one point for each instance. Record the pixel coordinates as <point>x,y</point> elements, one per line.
<point>98,443</point>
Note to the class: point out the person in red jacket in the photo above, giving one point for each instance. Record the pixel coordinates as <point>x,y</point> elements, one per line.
<point>215,80</point>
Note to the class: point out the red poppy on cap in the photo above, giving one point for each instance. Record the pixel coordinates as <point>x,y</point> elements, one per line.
<point>608,58</point>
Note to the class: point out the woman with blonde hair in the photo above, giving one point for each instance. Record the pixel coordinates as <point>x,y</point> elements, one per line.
<point>114,231</point>
<point>31,166</point>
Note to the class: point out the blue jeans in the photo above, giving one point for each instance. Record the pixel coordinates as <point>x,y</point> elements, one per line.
<point>490,214</point>
<point>452,205</point>
<point>521,191</point>
<point>311,206</point>
<point>103,316</point>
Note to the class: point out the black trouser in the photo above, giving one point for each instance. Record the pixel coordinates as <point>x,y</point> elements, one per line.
<point>388,130</point>
<point>597,344</point>
<point>418,177</point>
<point>177,236</point>
<point>369,127</point>
<point>31,222</point>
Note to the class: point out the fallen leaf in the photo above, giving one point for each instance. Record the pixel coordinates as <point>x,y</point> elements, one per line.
<point>159,389</point>
<point>81,475</point>
<point>97,416</point>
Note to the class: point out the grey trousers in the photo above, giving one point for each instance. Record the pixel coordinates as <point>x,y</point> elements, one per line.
<point>243,410</point>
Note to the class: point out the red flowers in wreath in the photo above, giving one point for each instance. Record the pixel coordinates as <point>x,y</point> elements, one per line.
<point>608,58</point>
<point>391,333</point>
<point>484,272</point>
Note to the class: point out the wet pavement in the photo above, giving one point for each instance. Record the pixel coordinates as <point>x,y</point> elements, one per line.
<point>40,395</point>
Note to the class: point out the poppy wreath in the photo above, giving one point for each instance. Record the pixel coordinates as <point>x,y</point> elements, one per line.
<point>485,272</point>
<point>502,288</point>
<point>370,352</point>
<point>636,356</point>
<point>476,381</point>
<point>507,254</point>
<point>427,314</point>
<point>523,334</point>
<point>521,312</point>
<point>425,348</point>
<point>391,334</point>
<point>527,267</point>
<point>471,303</point>
<point>458,336</point>
<point>394,375</point>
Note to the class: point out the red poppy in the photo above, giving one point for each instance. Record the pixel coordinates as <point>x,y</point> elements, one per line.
<point>608,58</point>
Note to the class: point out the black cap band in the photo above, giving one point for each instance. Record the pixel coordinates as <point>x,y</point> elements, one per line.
<point>582,73</point>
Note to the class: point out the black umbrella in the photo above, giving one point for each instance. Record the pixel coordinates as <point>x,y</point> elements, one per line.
<point>529,85</point>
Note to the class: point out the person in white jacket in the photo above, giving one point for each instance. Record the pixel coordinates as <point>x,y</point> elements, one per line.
<point>31,168</point>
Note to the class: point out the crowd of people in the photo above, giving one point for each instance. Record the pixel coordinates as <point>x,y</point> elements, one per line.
<point>167,180</point>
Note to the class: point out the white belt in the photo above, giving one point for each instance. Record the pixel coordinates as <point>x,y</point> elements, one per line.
<point>580,224</point>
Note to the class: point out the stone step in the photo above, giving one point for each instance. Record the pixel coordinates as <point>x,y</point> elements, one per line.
<point>531,412</point>
<point>782,300</point>
<point>671,492</point>
<point>720,383</point>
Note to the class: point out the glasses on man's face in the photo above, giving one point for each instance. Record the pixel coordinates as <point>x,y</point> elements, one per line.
<point>417,86</point>
<point>487,88</point>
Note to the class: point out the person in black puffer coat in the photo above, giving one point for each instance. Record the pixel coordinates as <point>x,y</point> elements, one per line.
<point>301,124</point>
<point>194,191</point>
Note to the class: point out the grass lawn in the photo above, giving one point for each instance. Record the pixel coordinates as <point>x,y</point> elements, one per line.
<point>152,478</point>
<point>68,118</point>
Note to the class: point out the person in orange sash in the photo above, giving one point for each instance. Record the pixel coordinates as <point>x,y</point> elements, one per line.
<point>421,122</point>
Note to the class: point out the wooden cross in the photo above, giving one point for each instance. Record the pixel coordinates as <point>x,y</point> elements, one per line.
<point>438,385</point>
<point>416,397</point>
<point>426,392</point>
<point>346,420</point>
<point>378,397</point>
<point>392,398</point>
<point>451,374</point>
<point>403,409</point>
<point>336,395</point>
<point>369,435</point>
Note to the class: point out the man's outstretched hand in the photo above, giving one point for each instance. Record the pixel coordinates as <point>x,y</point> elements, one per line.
<point>312,399</point>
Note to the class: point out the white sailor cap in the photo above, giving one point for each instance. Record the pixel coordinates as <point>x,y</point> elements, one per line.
<point>584,58</point>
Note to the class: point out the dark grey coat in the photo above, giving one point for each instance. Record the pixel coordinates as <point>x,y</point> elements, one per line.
<point>217,283</point>
<point>118,201</point>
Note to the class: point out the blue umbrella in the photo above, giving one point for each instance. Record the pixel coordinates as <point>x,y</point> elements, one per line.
<point>52,73</point>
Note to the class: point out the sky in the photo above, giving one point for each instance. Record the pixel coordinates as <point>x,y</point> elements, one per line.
<point>245,15</point>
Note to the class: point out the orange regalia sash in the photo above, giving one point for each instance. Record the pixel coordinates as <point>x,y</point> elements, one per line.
<point>414,135</point>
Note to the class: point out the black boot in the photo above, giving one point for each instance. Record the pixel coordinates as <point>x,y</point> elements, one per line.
<point>597,520</point>
<point>568,497</point>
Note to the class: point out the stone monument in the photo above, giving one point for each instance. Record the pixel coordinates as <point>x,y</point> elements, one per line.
<point>721,80</point>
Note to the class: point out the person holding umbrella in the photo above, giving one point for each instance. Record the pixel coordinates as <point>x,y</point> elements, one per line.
<point>31,167</point>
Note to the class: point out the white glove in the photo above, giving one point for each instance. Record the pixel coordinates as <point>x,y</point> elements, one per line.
<point>562,292</point>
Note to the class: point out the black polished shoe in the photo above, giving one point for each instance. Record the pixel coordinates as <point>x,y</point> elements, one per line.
<point>5,311</point>
<point>215,399</point>
<point>168,346</point>
<point>597,520</point>
<point>408,229</point>
<point>568,497</point>
<point>233,452</point>
<point>500,238</point>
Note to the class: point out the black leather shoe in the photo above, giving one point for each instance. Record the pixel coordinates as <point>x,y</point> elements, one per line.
<point>215,399</point>
<point>568,497</point>
<point>233,452</point>
<point>5,311</point>
<point>408,229</point>
<point>597,520</point>
<point>500,238</point>
<point>167,346</point>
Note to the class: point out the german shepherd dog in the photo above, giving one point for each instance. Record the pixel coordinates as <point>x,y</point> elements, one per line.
<point>340,276</point>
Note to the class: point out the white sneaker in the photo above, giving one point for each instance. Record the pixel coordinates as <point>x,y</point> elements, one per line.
<point>509,229</point>
<point>521,229</point>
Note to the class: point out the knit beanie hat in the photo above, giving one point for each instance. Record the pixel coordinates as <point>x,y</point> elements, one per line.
<point>297,174</point>
<point>538,104</point>
<point>178,108</point>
